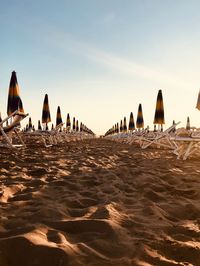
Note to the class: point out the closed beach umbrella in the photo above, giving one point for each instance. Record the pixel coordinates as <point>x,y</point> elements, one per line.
<point>68,122</point>
<point>81,127</point>
<point>159,113</point>
<point>46,117</point>
<point>30,126</point>
<point>117,127</point>
<point>121,126</point>
<point>140,120</point>
<point>39,125</point>
<point>13,94</point>
<point>198,102</point>
<point>125,126</point>
<point>52,127</point>
<point>131,125</point>
<point>113,129</point>
<point>77,127</point>
<point>188,123</point>
<point>58,117</point>
<point>74,124</point>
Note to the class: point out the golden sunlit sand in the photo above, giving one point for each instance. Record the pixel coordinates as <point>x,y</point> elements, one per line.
<point>97,202</point>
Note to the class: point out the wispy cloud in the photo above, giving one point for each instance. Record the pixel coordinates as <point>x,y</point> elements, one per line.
<point>122,66</point>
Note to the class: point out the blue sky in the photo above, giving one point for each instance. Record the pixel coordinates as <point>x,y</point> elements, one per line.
<point>99,59</point>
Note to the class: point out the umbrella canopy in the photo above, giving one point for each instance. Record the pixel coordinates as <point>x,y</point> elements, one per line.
<point>13,94</point>
<point>159,113</point>
<point>68,122</point>
<point>58,117</point>
<point>140,120</point>
<point>20,106</point>
<point>30,126</point>
<point>121,126</point>
<point>39,125</point>
<point>81,126</point>
<point>46,117</point>
<point>117,128</point>
<point>198,102</point>
<point>112,130</point>
<point>77,127</point>
<point>74,124</point>
<point>131,125</point>
<point>188,123</point>
<point>125,126</point>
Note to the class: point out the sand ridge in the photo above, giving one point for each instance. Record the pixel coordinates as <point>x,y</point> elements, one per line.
<point>97,202</point>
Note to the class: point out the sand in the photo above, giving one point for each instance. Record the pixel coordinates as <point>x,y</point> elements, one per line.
<point>97,202</point>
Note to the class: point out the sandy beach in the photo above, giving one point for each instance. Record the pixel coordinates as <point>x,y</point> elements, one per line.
<point>97,202</point>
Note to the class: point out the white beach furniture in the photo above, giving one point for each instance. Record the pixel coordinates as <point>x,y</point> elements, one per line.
<point>187,145</point>
<point>7,131</point>
<point>159,138</point>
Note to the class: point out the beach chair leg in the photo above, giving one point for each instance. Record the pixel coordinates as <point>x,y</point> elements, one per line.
<point>6,137</point>
<point>20,139</point>
<point>187,152</point>
<point>178,151</point>
<point>192,149</point>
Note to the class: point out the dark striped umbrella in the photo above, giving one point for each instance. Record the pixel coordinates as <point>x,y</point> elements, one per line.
<point>20,106</point>
<point>159,113</point>
<point>30,126</point>
<point>46,117</point>
<point>58,117</point>
<point>39,125</point>
<point>68,122</point>
<point>131,125</point>
<point>125,126</point>
<point>13,94</point>
<point>188,123</point>
<point>117,127</point>
<point>77,127</point>
<point>74,124</point>
<point>81,127</point>
<point>140,120</point>
<point>121,126</point>
<point>198,102</point>
<point>113,130</point>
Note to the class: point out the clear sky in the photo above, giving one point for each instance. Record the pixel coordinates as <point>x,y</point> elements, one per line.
<point>98,59</point>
